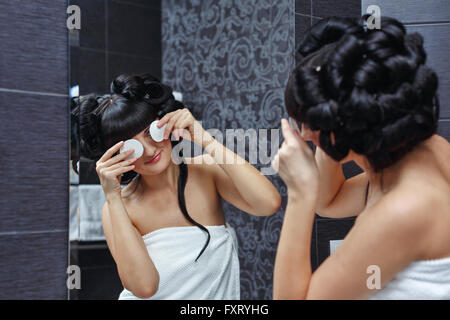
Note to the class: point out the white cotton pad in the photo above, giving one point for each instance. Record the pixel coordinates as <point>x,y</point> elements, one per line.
<point>157,133</point>
<point>133,144</point>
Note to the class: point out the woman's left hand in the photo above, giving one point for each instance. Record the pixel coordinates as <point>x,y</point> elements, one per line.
<point>296,165</point>
<point>181,123</point>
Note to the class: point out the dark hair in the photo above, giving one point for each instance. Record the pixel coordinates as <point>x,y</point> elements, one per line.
<point>134,102</point>
<point>372,89</point>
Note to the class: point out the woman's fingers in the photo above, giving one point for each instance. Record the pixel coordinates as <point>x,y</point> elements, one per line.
<point>170,124</point>
<point>121,164</point>
<point>117,158</point>
<point>164,119</point>
<point>115,173</point>
<point>110,152</point>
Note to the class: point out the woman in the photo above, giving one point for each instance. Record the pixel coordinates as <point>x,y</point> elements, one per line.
<point>166,229</point>
<point>367,96</point>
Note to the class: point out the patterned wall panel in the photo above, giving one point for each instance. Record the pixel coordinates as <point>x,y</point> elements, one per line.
<point>231,60</point>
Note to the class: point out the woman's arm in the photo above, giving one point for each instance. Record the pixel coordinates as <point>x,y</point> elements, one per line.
<point>135,267</point>
<point>379,244</point>
<point>380,239</point>
<point>338,197</point>
<point>239,182</point>
<point>236,180</point>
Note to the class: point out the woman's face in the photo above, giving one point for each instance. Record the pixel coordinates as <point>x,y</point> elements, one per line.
<point>156,157</point>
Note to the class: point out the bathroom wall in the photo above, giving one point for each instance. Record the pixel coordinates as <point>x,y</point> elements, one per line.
<point>34,123</point>
<point>116,36</point>
<point>231,60</point>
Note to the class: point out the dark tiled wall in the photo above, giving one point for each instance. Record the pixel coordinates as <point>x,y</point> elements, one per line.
<point>307,13</point>
<point>34,123</point>
<point>116,36</point>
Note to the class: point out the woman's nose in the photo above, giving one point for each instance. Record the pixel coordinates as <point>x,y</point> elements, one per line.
<point>149,148</point>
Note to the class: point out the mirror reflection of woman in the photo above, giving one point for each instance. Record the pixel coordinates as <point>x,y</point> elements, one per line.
<point>366,96</point>
<point>166,228</point>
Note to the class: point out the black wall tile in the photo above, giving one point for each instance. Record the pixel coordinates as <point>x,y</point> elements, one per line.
<point>330,229</point>
<point>33,266</point>
<point>154,4</point>
<point>92,32</point>
<point>118,64</point>
<point>412,10</point>
<point>303,6</point>
<point>314,261</point>
<point>88,70</point>
<point>88,174</point>
<point>302,23</point>
<point>137,32</point>
<point>100,279</point>
<point>34,131</point>
<point>351,169</point>
<point>34,45</point>
<point>341,8</point>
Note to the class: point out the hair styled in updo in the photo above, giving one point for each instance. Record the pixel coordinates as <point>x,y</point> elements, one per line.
<point>134,103</point>
<point>370,87</point>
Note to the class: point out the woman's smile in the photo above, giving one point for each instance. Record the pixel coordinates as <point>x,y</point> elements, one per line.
<point>154,159</point>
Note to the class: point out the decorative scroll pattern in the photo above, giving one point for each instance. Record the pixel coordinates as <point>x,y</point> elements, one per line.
<point>231,60</point>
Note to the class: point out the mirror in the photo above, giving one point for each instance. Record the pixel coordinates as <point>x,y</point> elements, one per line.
<point>228,62</point>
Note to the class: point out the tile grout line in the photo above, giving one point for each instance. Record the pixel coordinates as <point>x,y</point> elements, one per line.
<point>13,233</point>
<point>34,92</point>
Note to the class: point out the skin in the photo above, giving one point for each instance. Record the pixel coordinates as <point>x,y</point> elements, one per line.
<point>406,220</point>
<point>128,215</point>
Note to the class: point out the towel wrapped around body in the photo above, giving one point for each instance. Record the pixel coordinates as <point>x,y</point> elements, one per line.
<point>173,250</point>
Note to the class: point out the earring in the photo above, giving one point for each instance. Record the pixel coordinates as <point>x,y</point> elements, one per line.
<point>318,68</point>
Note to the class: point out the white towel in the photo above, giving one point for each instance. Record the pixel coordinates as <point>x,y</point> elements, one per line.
<point>420,280</point>
<point>215,275</point>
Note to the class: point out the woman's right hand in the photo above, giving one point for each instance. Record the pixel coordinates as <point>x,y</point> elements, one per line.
<point>110,170</point>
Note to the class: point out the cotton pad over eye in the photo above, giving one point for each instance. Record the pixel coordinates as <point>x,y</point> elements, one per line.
<point>133,144</point>
<point>157,133</point>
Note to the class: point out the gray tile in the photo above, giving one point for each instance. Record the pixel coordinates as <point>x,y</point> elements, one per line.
<point>34,46</point>
<point>409,11</point>
<point>33,266</point>
<point>34,162</point>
